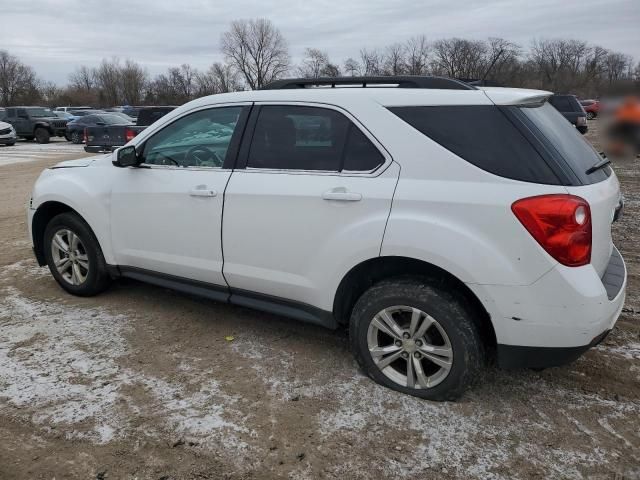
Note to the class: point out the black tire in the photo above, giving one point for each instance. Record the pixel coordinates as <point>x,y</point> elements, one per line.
<point>76,137</point>
<point>10,144</point>
<point>67,136</point>
<point>42,135</point>
<point>97,278</point>
<point>591,115</point>
<point>583,130</point>
<point>448,308</point>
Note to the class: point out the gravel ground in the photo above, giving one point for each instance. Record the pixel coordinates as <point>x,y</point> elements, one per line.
<point>145,383</point>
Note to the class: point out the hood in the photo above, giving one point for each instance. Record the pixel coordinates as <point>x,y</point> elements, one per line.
<point>81,162</point>
<point>4,125</point>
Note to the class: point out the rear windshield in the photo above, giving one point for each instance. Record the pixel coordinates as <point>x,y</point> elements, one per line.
<point>484,136</point>
<point>110,119</point>
<point>565,142</point>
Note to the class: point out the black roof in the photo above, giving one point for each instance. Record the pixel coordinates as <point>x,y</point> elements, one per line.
<point>401,81</point>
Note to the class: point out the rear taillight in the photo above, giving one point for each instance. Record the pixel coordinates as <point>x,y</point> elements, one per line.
<point>85,136</point>
<point>129,134</point>
<point>561,224</point>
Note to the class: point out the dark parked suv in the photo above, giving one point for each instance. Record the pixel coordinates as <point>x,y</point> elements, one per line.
<point>570,108</point>
<point>35,122</point>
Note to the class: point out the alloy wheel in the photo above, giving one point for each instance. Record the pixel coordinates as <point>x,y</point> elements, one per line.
<point>410,347</point>
<point>70,257</point>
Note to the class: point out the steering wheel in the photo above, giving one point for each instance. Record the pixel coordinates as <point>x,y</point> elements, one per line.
<point>202,155</point>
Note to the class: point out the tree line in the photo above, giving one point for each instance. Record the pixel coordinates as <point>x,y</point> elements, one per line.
<point>256,53</point>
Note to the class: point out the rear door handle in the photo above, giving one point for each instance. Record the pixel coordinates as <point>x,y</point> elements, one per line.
<point>341,194</point>
<point>202,191</point>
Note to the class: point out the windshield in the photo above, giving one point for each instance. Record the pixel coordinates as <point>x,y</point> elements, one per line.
<point>567,142</point>
<point>40,112</point>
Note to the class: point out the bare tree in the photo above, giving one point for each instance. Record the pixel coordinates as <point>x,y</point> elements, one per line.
<point>417,55</point>
<point>18,83</point>
<point>352,68</point>
<point>82,79</point>
<point>257,49</point>
<point>460,58</point>
<point>559,63</point>
<point>371,61</point>
<point>616,64</point>
<point>107,80</point>
<point>313,64</point>
<point>220,78</point>
<point>133,82</point>
<point>394,61</point>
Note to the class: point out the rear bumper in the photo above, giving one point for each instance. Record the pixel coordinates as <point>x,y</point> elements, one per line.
<point>515,356</point>
<point>558,317</point>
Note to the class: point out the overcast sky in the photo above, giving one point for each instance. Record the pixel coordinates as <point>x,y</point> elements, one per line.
<point>56,36</point>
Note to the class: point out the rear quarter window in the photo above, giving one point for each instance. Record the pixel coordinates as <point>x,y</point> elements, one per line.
<point>481,135</point>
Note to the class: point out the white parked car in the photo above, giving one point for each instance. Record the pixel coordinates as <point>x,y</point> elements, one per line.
<point>442,223</point>
<point>7,134</point>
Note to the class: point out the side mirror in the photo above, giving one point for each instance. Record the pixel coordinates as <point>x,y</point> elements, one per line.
<point>126,157</point>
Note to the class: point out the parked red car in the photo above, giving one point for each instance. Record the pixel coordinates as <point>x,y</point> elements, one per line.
<point>592,107</point>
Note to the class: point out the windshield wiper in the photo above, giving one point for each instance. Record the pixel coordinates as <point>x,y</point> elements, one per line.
<point>599,165</point>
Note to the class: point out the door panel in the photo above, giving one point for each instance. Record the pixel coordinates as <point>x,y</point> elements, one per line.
<point>159,224</point>
<point>294,235</point>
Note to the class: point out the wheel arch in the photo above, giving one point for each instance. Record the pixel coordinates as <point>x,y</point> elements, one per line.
<point>41,218</point>
<point>369,272</point>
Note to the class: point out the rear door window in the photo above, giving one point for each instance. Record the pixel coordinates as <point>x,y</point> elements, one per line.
<point>292,137</point>
<point>484,136</point>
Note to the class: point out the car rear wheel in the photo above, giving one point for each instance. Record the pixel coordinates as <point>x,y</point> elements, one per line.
<point>42,135</point>
<point>76,137</point>
<point>417,338</point>
<point>74,256</point>
<point>591,115</point>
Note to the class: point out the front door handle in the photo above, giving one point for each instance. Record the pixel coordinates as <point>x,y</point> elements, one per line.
<point>202,191</point>
<point>341,194</point>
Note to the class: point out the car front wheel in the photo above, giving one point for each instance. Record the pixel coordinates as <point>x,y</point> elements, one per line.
<point>42,135</point>
<point>412,336</point>
<point>74,256</point>
<point>76,137</point>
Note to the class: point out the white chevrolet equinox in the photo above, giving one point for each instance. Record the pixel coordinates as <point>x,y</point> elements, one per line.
<point>445,225</point>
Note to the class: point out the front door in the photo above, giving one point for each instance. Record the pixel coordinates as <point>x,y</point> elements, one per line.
<point>166,215</point>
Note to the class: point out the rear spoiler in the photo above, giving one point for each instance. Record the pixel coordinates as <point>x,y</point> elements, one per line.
<point>516,96</point>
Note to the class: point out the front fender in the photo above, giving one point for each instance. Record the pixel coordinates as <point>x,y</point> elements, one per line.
<point>89,197</point>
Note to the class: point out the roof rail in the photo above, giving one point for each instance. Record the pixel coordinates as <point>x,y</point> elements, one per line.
<point>404,81</point>
<point>476,82</point>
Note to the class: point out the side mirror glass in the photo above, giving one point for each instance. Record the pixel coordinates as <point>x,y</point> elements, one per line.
<point>126,157</point>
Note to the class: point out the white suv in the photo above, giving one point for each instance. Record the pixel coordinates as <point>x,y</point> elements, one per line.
<point>444,224</point>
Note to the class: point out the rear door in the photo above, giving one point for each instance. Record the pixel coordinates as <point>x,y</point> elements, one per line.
<point>310,198</point>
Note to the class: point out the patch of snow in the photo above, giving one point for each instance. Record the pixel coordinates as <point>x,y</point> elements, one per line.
<point>60,365</point>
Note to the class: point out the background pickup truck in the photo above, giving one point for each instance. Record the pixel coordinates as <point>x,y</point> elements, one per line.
<point>109,137</point>
<point>35,122</point>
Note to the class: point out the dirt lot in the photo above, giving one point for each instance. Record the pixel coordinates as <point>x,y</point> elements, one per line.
<point>145,383</point>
